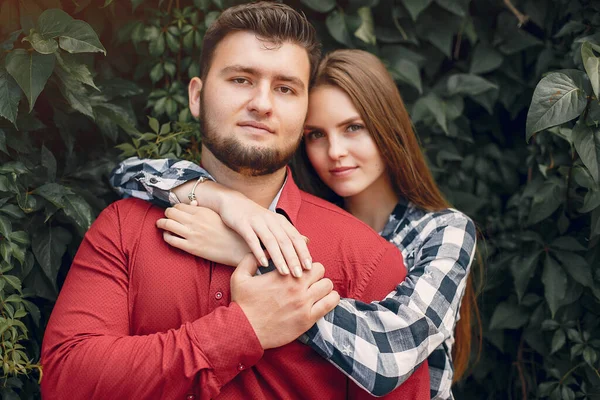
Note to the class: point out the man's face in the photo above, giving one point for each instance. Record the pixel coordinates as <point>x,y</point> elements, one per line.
<point>254,102</point>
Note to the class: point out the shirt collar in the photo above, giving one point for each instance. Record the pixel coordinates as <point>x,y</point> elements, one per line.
<point>289,199</point>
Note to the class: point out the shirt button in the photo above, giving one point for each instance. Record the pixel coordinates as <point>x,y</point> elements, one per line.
<point>153,180</point>
<point>190,397</point>
<point>219,295</point>
<point>241,367</point>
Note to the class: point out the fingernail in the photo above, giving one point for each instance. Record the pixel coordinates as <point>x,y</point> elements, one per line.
<point>264,262</point>
<point>308,264</point>
<point>297,272</point>
<point>285,270</point>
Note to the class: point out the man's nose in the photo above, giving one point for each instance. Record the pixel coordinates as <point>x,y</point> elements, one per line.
<point>262,100</point>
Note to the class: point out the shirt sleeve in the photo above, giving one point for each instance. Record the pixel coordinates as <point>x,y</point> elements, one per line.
<point>380,344</point>
<point>153,180</point>
<point>89,351</point>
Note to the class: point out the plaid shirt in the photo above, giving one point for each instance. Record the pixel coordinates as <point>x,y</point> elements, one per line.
<point>378,345</point>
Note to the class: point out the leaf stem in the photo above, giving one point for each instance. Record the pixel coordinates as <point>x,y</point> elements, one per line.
<point>520,16</point>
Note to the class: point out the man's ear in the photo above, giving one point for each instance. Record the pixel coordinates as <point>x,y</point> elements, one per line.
<point>194,89</point>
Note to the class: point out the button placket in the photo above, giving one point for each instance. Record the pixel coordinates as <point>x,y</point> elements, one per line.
<point>219,295</point>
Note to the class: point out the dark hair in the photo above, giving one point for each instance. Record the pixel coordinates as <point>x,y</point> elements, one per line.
<point>270,21</point>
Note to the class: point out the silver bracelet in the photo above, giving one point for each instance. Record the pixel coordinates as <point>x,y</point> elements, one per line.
<point>192,194</point>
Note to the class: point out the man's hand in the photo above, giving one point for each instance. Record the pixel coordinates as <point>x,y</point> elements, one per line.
<point>281,308</point>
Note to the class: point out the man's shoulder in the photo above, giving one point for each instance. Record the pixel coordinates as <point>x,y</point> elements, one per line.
<point>131,208</point>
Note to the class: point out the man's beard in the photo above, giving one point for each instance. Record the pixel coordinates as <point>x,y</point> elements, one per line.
<point>245,160</point>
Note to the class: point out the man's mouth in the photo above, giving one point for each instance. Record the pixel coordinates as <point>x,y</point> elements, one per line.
<point>256,125</point>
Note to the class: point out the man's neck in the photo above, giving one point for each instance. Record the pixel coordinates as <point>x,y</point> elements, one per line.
<point>260,189</point>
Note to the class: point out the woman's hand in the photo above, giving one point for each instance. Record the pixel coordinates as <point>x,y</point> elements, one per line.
<point>286,246</point>
<point>201,232</point>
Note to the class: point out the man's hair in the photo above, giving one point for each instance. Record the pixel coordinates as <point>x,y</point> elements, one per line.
<point>273,22</point>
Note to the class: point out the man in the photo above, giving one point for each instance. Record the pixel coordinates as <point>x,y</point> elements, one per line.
<point>137,318</point>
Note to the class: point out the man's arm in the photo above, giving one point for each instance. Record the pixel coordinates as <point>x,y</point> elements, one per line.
<point>88,349</point>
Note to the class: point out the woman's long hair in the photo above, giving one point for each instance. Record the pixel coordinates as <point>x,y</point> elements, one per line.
<point>377,99</point>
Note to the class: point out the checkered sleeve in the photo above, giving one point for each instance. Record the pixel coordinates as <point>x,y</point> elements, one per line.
<point>379,345</point>
<point>153,180</point>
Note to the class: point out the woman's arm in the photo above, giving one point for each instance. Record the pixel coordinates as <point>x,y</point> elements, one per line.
<point>166,182</point>
<point>380,344</point>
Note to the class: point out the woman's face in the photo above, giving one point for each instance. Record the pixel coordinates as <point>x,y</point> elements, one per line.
<point>338,145</point>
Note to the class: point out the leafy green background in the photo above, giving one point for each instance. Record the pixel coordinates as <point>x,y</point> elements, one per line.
<point>504,96</point>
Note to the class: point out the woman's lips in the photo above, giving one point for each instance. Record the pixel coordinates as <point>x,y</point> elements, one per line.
<point>342,171</point>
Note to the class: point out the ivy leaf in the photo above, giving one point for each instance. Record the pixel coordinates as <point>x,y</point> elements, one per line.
<point>366,30</point>
<point>408,72</point>
<point>75,93</point>
<point>523,269</point>
<point>555,284</point>
<point>415,7</point>
<point>41,45</point>
<point>546,200</point>
<point>48,245</point>
<point>485,59</point>
<point>508,316</point>
<point>53,23</point>
<point>559,97</point>
<point>10,95</point>
<point>54,193</point>
<point>587,144</point>
<point>592,66</point>
<point>80,37</point>
<point>322,6</point>
<point>8,44</point>
<point>567,243</point>
<point>336,25</point>
<point>558,341</point>
<point>469,84</point>
<point>77,70</point>
<point>430,105</point>
<point>458,7</point>
<point>79,211</point>
<point>31,71</point>
<point>5,226</point>
<point>49,162</point>
<point>576,266</point>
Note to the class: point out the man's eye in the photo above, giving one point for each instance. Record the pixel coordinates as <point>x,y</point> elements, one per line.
<point>241,81</point>
<point>285,90</point>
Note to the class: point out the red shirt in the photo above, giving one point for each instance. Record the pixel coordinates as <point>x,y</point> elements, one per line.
<point>138,319</point>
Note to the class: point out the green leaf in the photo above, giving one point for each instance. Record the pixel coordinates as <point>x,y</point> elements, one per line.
<point>41,45</point>
<point>75,93</point>
<point>8,44</point>
<point>10,95</point>
<point>485,59</point>
<point>336,25</point>
<point>77,70</point>
<point>407,72</point>
<point>49,245</point>
<point>3,142</point>
<point>79,211</point>
<point>546,200</point>
<point>558,341</point>
<point>592,66</point>
<point>523,269</point>
<point>49,162</point>
<point>558,98</point>
<point>54,193</point>
<point>156,47</point>
<point>12,211</point>
<point>31,71</point>
<point>53,23</point>
<point>33,310</point>
<point>366,31</point>
<point>555,284</point>
<point>20,237</point>
<point>80,37</point>
<point>5,226</point>
<point>587,144</point>
<point>567,243</point>
<point>590,356</point>
<point>469,84</point>
<point>508,316</point>
<point>322,6</point>
<point>154,125</point>
<point>430,105</point>
<point>13,281</point>
<point>415,7</point>
<point>576,266</point>
<point>458,7</point>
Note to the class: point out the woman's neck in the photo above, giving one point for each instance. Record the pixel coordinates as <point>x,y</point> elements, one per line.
<point>373,205</point>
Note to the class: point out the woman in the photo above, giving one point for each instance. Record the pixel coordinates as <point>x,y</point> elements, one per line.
<point>359,151</point>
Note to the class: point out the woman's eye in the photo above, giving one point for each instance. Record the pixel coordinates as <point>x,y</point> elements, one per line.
<point>354,127</point>
<point>312,135</point>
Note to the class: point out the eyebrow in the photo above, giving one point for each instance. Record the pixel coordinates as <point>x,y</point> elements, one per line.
<point>344,122</point>
<point>253,71</point>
